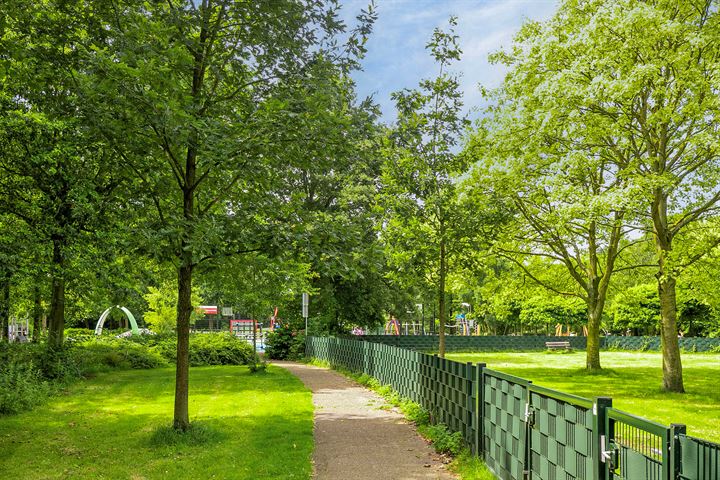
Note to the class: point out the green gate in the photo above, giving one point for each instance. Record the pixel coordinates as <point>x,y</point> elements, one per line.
<point>504,429</point>
<point>636,448</point>
<point>561,436</point>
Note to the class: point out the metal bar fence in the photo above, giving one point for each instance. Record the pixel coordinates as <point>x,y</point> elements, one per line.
<point>524,431</point>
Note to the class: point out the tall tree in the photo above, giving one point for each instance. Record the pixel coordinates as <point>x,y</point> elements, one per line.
<point>194,96</point>
<point>424,222</point>
<point>57,180</point>
<point>635,79</point>
<point>566,197</point>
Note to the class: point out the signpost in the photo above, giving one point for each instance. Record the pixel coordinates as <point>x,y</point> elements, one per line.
<point>305,304</point>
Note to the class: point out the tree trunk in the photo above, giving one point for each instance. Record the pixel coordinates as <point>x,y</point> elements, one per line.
<point>56,328</point>
<point>441,300</point>
<point>592,356</point>
<point>37,312</point>
<point>672,364</point>
<point>4,306</point>
<point>181,419</point>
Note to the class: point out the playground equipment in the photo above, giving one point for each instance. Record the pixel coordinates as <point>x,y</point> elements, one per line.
<point>568,333</point>
<point>274,320</point>
<point>244,328</point>
<point>413,329</point>
<point>17,332</point>
<point>392,327</point>
<point>463,326</point>
<point>249,330</point>
<point>133,324</point>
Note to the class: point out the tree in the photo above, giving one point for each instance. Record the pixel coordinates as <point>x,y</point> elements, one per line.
<point>194,97</point>
<point>162,307</point>
<point>57,179</point>
<point>567,200</point>
<point>634,79</point>
<point>423,225</point>
<point>58,187</point>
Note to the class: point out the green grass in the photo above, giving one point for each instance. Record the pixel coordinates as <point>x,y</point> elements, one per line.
<point>632,379</point>
<point>469,467</point>
<point>115,426</point>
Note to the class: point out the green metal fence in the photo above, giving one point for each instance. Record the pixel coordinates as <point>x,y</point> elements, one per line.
<point>455,343</point>
<point>524,431</point>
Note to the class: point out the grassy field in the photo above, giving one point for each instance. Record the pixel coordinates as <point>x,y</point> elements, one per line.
<point>251,427</point>
<point>632,379</point>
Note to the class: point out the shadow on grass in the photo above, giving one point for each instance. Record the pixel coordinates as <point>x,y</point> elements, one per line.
<point>122,430</point>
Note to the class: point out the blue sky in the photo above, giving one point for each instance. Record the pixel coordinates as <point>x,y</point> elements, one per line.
<point>397,57</point>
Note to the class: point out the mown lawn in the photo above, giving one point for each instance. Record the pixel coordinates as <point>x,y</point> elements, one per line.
<point>259,426</point>
<point>632,379</point>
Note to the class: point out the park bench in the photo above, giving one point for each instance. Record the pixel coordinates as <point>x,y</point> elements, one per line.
<point>557,345</point>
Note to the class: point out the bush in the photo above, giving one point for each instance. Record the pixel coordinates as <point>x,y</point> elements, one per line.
<point>115,353</point>
<point>205,348</point>
<point>285,344</point>
<point>73,335</point>
<point>219,349</point>
<point>22,386</point>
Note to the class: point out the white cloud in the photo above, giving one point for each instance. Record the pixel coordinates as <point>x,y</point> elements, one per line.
<point>396,51</point>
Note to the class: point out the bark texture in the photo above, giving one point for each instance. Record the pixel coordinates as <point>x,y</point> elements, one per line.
<point>56,327</point>
<point>441,300</point>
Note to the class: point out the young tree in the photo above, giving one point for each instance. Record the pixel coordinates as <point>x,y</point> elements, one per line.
<point>424,222</point>
<point>195,98</point>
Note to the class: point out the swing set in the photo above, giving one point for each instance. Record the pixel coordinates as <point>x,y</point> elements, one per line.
<point>568,333</point>
<point>392,327</point>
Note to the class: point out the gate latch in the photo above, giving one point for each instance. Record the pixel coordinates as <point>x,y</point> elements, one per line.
<point>608,456</point>
<point>529,415</point>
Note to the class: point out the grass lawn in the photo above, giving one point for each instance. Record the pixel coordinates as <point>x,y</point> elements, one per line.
<point>259,426</point>
<point>632,379</point>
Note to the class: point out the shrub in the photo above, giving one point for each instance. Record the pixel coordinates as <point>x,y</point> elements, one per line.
<point>219,349</point>
<point>285,344</point>
<point>22,386</point>
<point>207,349</point>
<point>96,353</point>
<point>73,335</point>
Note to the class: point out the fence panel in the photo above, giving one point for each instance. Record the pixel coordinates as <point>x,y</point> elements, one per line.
<point>699,459</point>
<point>533,342</point>
<point>561,437</point>
<point>504,412</point>
<point>526,431</point>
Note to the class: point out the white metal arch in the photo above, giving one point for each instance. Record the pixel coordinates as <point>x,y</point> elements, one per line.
<point>128,314</point>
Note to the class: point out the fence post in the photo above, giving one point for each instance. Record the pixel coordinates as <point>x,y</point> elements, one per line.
<point>600,440</point>
<point>471,405</point>
<point>480,410</point>
<point>673,449</point>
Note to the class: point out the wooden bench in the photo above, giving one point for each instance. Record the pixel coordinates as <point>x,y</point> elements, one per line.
<point>557,345</point>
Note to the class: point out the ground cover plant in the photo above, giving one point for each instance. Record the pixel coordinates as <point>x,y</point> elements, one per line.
<point>632,379</point>
<point>116,426</point>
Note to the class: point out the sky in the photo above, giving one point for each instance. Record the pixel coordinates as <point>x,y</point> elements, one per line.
<point>397,58</point>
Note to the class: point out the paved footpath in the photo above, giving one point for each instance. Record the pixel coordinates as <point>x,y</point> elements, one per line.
<point>357,440</point>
